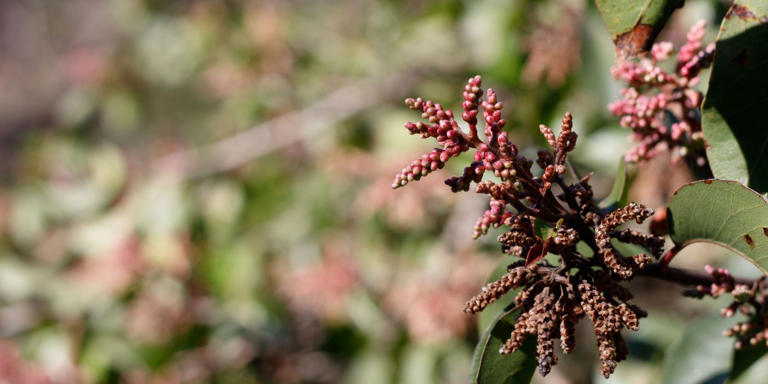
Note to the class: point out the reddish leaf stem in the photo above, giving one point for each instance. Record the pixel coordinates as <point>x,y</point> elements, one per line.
<point>667,258</point>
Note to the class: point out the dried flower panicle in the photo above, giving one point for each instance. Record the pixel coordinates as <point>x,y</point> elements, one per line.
<point>748,299</point>
<point>552,298</point>
<point>552,303</point>
<point>662,108</point>
<point>605,232</point>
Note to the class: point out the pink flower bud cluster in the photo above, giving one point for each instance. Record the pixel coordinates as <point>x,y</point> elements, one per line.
<point>495,154</point>
<point>660,107</point>
<point>553,297</point>
<point>693,43</point>
<point>494,217</point>
<point>723,281</point>
<point>444,128</point>
<point>662,50</point>
<point>472,94</point>
<point>749,299</point>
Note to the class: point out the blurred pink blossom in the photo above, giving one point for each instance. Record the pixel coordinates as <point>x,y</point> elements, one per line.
<point>660,107</point>
<point>321,290</point>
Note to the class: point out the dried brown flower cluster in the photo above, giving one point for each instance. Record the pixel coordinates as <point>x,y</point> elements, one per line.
<point>605,232</point>
<point>552,302</point>
<point>749,299</point>
<point>554,295</point>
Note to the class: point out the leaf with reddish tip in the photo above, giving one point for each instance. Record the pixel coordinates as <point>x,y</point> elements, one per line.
<point>634,24</point>
<point>722,212</point>
<point>491,367</point>
<point>733,113</point>
<point>537,252</point>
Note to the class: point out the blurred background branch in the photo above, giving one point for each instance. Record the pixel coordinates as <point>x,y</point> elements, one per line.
<point>275,134</point>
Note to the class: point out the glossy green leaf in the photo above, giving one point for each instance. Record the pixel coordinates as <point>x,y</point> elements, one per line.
<point>744,358</point>
<point>618,195</point>
<point>634,24</point>
<point>491,367</point>
<point>722,212</point>
<point>733,119</point>
<point>702,355</point>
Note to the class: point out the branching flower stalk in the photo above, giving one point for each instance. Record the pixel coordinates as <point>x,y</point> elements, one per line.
<point>749,299</point>
<point>553,297</point>
<point>554,293</point>
<point>661,107</point>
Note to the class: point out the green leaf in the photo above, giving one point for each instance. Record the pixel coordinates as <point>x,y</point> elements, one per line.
<point>618,195</point>
<point>722,212</point>
<point>634,24</point>
<point>733,119</point>
<point>744,358</point>
<point>702,355</point>
<point>491,367</point>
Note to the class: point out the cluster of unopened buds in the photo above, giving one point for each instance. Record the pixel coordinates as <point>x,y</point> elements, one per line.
<point>554,295</point>
<point>749,299</point>
<point>660,107</point>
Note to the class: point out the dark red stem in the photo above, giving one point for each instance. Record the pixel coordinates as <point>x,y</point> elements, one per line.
<point>667,258</point>
<point>682,276</point>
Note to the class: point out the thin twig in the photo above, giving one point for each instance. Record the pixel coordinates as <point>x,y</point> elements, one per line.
<point>682,276</point>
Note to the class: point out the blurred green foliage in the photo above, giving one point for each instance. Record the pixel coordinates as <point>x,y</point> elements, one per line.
<point>120,263</point>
